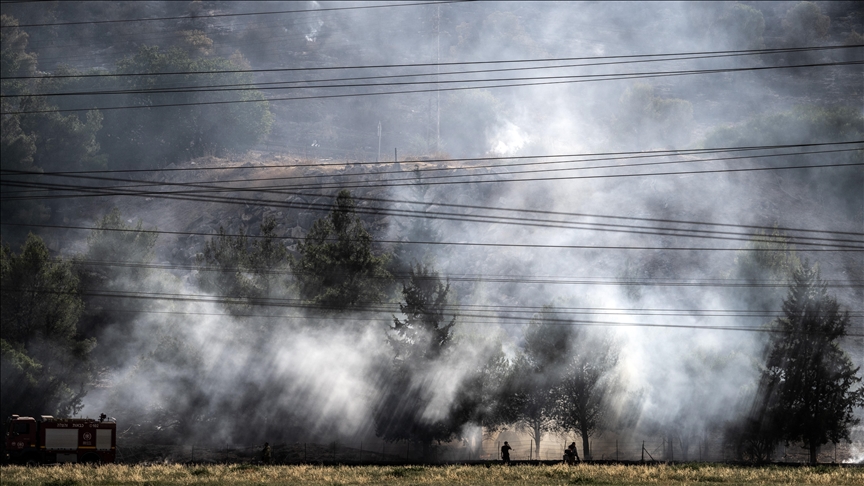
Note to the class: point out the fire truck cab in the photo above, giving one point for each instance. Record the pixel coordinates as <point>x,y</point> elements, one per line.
<point>50,440</point>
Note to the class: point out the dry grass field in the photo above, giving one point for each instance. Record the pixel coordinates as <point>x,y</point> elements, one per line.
<point>72,475</point>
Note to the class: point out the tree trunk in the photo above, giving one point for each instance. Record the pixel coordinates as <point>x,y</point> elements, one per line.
<point>814,453</point>
<point>427,451</point>
<point>537,433</point>
<point>586,452</point>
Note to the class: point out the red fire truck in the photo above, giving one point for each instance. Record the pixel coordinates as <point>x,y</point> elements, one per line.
<point>50,440</point>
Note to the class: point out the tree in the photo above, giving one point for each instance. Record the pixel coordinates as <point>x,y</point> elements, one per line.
<point>527,395</point>
<point>425,332</point>
<point>809,387</point>
<point>33,142</point>
<point>237,268</point>
<point>114,267</point>
<point>805,24</point>
<point>768,259</point>
<point>587,382</point>
<point>418,340</point>
<point>479,400</point>
<point>420,228</point>
<point>45,363</point>
<point>337,268</point>
<point>645,120</point>
<point>537,372</point>
<point>212,125</point>
<point>741,26</point>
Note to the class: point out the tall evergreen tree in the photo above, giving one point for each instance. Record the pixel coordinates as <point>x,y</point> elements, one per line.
<point>46,365</point>
<point>809,385</point>
<point>111,272</point>
<point>242,269</point>
<point>418,340</point>
<point>337,268</point>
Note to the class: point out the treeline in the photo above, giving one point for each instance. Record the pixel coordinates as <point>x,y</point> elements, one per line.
<point>40,134</point>
<point>432,383</point>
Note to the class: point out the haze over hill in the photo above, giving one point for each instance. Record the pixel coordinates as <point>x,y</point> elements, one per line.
<point>633,183</point>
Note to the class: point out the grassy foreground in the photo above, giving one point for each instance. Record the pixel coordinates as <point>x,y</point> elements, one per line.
<point>71,475</point>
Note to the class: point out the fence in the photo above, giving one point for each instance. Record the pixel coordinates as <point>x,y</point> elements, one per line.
<point>523,449</point>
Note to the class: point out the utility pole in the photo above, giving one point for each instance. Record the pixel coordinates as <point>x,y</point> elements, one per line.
<point>437,74</point>
<point>378,159</point>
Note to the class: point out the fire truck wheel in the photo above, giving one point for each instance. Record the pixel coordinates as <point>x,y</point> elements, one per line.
<point>91,459</point>
<point>31,461</point>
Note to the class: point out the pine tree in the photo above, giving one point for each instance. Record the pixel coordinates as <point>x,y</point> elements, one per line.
<point>337,268</point>
<point>809,385</point>
<point>419,340</point>
<point>45,365</point>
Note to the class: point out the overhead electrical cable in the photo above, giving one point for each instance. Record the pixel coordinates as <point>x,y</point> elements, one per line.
<point>402,212</point>
<point>507,279</point>
<point>496,318</point>
<point>637,154</point>
<point>781,50</point>
<point>376,178</point>
<point>811,246</point>
<point>268,86</point>
<point>383,211</point>
<point>531,81</point>
<point>239,14</point>
<point>354,319</point>
<point>499,180</point>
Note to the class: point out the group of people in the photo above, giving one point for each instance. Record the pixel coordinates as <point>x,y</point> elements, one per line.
<point>571,455</point>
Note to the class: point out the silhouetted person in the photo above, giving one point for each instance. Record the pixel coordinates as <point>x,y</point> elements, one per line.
<point>505,452</point>
<point>266,454</point>
<point>571,455</point>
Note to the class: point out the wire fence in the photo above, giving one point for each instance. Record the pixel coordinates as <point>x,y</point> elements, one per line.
<point>523,449</point>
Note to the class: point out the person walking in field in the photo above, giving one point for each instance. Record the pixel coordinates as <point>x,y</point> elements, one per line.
<point>505,452</point>
<point>267,454</point>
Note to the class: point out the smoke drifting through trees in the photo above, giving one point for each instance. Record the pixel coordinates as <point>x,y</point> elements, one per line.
<point>285,341</point>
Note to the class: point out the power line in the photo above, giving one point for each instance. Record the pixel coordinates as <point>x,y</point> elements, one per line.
<point>253,86</point>
<point>605,227</point>
<point>782,50</point>
<point>593,156</point>
<point>294,303</point>
<point>600,310</point>
<point>510,278</point>
<point>377,184</point>
<point>245,14</point>
<point>529,82</point>
<point>503,219</point>
<point>278,189</point>
<point>680,232</point>
<point>811,246</point>
<point>414,180</point>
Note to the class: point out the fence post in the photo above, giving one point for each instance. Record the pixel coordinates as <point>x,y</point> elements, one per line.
<point>616,450</point>
<point>643,451</point>
<point>361,451</point>
<point>408,452</point>
<point>304,452</point>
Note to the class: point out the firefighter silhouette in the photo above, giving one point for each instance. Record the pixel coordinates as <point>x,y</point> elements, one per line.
<point>266,454</point>
<point>571,455</point>
<point>505,452</point>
